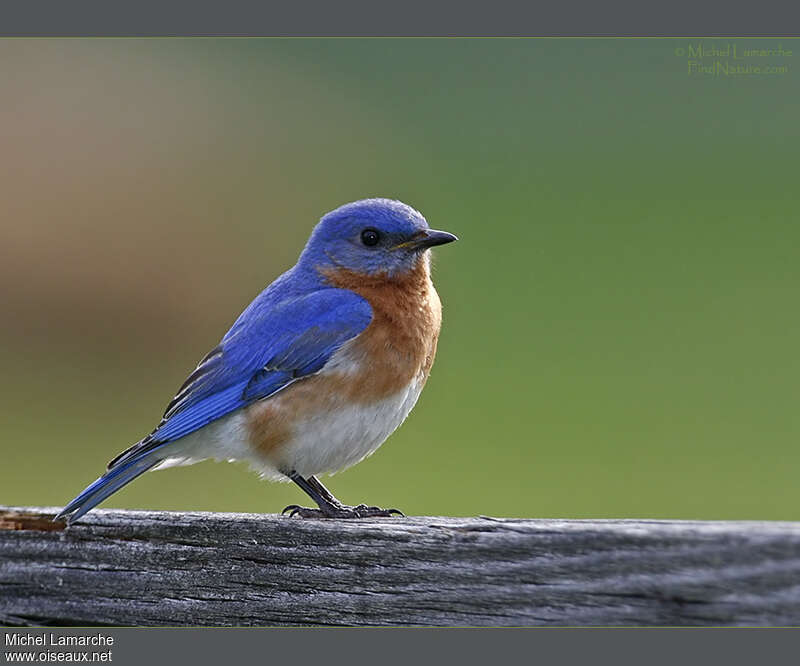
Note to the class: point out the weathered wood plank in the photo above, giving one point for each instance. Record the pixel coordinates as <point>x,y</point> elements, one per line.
<point>159,568</point>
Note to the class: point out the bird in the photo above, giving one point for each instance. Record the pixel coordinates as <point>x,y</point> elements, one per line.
<point>316,373</point>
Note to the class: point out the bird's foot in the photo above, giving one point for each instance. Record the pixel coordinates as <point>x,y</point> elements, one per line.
<point>341,511</point>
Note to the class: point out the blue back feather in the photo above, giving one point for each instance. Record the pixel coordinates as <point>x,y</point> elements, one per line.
<point>275,345</point>
<point>277,342</point>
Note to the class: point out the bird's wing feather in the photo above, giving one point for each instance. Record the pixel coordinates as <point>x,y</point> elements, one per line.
<point>264,352</point>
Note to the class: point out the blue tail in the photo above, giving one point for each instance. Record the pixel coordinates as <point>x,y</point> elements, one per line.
<point>114,479</point>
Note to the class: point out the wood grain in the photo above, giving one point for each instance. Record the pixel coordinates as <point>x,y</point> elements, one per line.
<point>161,568</point>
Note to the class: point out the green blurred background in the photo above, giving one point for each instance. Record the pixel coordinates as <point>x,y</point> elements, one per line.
<point>620,315</point>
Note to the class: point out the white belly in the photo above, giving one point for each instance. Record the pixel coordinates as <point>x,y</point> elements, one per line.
<point>329,441</point>
<point>334,440</point>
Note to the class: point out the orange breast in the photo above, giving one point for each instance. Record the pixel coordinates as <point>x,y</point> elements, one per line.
<point>396,349</point>
<point>399,345</point>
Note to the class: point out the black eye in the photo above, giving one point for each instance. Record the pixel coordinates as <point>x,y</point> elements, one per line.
<point>370,237</point>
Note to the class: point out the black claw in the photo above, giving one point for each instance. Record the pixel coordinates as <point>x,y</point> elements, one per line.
<point>341,511</point>
<point>329,506</point>
<point>303,512</point>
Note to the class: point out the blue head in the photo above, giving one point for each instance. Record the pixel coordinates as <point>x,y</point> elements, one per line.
<point>371,236</point>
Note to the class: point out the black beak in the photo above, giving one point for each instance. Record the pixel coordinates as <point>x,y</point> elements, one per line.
<point>431,238</point>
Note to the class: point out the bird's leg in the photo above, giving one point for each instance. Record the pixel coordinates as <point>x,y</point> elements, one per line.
<point>322,490</point>
<point>329,506</point>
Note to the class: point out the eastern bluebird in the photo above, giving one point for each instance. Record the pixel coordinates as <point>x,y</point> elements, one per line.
<point>317,371</point>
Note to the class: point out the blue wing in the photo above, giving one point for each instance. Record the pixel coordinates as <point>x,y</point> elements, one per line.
<point>272,344</point>
<point>262,354</point>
